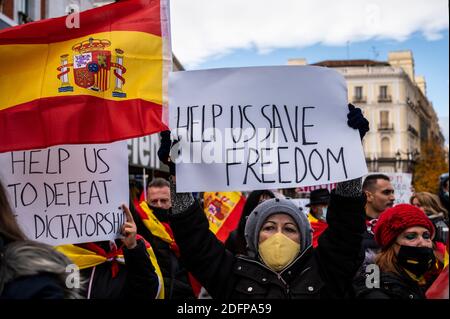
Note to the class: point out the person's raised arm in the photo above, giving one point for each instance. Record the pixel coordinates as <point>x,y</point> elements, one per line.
<point>201,252</point>
<point>340,244</point>
<point>142,281</point>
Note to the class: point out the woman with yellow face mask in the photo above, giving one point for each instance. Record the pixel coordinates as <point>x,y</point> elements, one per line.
<point>276,232</point>
<point>279,241</point>
<point>280,261</point>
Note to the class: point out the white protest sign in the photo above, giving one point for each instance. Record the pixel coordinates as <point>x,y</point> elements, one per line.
<point>68,193</point>
<point>262,128</point>
<point>402,184</point>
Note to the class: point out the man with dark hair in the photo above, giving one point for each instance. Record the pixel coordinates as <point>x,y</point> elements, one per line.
<point>153,225</point>
<point>380,194</point>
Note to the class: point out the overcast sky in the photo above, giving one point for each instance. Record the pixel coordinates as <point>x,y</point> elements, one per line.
<point>227,33</point>
<point>202,29</point>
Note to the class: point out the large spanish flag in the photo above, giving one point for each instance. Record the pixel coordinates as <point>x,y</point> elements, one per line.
<point>98,83</point>
<point>223,210</point>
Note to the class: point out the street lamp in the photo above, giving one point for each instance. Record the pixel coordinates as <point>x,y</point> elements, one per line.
<point>398,160</point>
<point>372,162</point>
<point>410,160</point>
<point>414,156</point>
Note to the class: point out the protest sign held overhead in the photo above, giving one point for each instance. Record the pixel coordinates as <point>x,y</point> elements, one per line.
<point>102,82</point>
<point>262,128</point>
<point>68,193</point>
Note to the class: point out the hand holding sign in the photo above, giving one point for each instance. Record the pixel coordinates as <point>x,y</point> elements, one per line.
<point>164,151</point>
<point>357,120</point>
<point>129,229</point>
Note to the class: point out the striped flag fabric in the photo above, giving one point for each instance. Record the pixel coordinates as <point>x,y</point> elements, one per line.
<point>101,82</point>
<point>223,210</point>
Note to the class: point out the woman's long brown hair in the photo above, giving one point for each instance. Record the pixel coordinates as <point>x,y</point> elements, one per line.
<point>9,229</point>
<point>430,203</point>
<point>387,260</point>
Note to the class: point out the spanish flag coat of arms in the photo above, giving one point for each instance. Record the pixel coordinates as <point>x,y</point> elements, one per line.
<point>101,82</point>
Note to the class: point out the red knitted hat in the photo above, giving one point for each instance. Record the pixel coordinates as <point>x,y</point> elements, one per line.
<point>393,221</point>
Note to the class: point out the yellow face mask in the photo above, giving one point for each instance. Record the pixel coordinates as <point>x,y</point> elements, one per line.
<point>278,251</point>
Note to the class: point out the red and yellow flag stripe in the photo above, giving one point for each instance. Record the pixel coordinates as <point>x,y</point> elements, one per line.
<point>223,210</point>
<point>153,224</point>
<point>98,83</point>
<point>85,258</point>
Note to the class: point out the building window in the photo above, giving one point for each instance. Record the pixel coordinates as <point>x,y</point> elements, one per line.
<point>384,122</point>
<point>25,8</point>
<point>412,130</point>
<point>383,91</point>
<point>383,95</point>
<point>358,94</point>
<point>384,118</point>
<point>7,8</point>
<point>385,147</point>
<point>424,128</point>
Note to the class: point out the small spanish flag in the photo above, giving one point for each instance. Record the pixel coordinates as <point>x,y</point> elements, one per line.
<point>97,82</point>
<point>318,226</point>
<point>223,210</point>
<point>89,255</point>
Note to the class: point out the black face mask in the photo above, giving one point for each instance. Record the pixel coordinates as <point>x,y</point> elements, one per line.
<point>416,259</point>
<point>160,213</point>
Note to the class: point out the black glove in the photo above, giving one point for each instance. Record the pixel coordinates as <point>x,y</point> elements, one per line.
<point>164,151</point>
<point>356,120</point>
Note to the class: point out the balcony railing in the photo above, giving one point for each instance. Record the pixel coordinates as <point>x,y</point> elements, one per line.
<point>384,98</point>
<point>385,127</point>
<point>359,99</point>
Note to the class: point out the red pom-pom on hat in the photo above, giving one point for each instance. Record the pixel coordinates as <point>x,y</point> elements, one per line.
<point>393,221</point>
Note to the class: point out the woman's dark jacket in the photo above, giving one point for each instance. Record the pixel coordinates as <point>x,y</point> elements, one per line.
<point>136,279</point>
<point>31,270</point>
<point>392,286</point>
<point>176,278</point>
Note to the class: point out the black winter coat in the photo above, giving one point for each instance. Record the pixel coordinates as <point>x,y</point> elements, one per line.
<point>392,286</point>
<point>369,250</point>
<point>31,270</point>
<point>324,272</point>
<point>42,286</point>
<point>176,279</point>
<point>136,278</point>
<point>235,243</point>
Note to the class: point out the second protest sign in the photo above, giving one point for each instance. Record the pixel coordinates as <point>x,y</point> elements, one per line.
<point>68,194</point>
